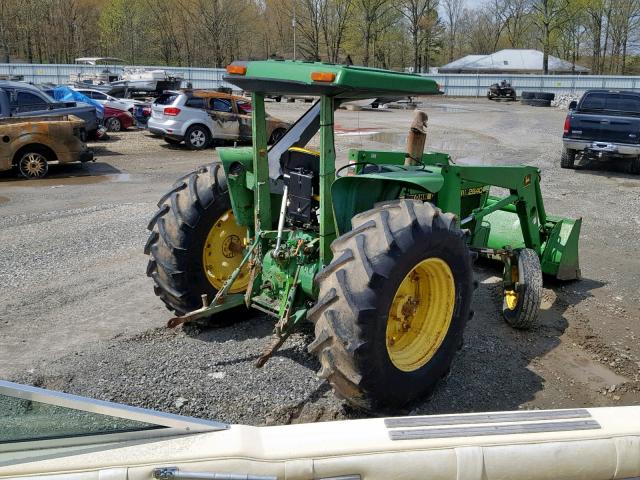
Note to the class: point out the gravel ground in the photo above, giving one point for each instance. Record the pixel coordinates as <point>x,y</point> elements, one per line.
<point>78,314</point>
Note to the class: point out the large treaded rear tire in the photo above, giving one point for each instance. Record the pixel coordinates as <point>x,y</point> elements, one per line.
<point>178,230</point>
<point>356,291</point>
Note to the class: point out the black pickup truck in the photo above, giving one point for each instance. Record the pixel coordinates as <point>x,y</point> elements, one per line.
<point>603,126</point>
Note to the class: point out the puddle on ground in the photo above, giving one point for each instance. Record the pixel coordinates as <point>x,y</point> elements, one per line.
<point>583,369</point>
<point>70,180</point>
<point>357,133</point>
<point>630,184</point>
<point>446,108</point>
<point>3,199</point>
<point>390,138</point>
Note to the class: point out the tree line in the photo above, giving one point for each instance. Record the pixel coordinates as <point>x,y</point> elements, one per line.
<point>397,34</point>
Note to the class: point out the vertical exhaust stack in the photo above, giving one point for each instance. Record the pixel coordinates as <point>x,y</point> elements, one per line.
<point>416,139</point>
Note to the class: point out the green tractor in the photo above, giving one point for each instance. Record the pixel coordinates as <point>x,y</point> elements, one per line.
<point>376,254</point>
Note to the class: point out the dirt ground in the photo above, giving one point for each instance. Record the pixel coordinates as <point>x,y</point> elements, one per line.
<point>77,312</point>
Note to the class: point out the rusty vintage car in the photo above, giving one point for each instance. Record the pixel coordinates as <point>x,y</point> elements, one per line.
<point>30,144</point>
<point>201,118</point>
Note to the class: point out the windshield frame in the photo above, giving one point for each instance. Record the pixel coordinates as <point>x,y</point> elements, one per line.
<point>170,424</point>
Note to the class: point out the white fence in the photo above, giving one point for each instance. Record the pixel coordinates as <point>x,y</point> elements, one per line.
<point>59,74</point>
<point>465,85</point>
<point>462,85</point>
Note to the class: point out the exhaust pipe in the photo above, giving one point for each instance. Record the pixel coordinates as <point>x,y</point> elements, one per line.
<point>416,139</point>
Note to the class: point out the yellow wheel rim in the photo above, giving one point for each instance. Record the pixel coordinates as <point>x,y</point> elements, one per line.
<point>420,314</point>
<point>223,251</point>
<point>511,296</point>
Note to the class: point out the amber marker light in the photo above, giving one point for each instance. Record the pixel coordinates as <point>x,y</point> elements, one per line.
<point>236,69</point>
<point>323,76</point>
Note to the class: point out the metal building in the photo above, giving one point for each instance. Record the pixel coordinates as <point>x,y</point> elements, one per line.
<point>511,61</point>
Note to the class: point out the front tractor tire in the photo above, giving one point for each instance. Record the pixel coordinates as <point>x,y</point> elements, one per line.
<point>195,243</point>
<point>392,304</point>
<point>521,305</point>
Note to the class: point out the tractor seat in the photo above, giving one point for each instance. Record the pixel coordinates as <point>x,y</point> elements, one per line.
<point>297,157</point>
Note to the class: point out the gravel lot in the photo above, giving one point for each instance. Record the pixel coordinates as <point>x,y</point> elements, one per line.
<point>78,314</point>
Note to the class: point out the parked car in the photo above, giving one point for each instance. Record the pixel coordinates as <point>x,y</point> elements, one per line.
<point>19,99</point>
<point>603,126</point>
<point>32,143</point>
<point>200,117</point>
<point>103,98</point>
<point>116,119</point>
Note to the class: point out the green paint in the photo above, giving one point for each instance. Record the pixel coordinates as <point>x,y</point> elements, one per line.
<point>327,176</point>
<point>260,164</point>
<point>350,81</point>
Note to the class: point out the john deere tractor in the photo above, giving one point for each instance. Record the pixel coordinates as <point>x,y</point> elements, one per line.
<point>376,254</point>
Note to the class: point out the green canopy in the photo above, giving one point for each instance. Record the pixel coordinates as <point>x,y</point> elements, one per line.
<point>317,78</point>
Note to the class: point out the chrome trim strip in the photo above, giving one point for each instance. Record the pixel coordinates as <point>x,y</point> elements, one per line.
<point>508,429</point>
<point>102,407</point>
<point>174,473</point>
<point>519,416</point>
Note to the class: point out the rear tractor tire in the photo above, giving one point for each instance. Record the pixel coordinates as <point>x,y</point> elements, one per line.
<point>195,243</point>
<point>521,306</point>
<point>392,304</point>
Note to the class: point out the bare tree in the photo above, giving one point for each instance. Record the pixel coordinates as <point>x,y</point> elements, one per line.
<point>7,21</point>
<point>549,16</point>
<point>481,30</point>
<point>416,13</point>
<point>369,14</point>
<point>309,28</point>
<point>334,15</point>
<point>453,10</point>
<point>515,19</point>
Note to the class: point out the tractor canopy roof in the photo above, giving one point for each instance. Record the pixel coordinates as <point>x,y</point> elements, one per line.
<point>290,77</point>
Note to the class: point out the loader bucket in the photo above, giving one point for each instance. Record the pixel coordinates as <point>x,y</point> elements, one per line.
<point>558,253</point>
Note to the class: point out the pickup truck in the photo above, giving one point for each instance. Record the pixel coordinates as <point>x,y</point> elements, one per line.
<point>603,126</point>
<point>30,144</point>
<point>18,99</point>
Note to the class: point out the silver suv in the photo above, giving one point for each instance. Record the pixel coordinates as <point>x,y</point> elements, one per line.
<point>202,117</point>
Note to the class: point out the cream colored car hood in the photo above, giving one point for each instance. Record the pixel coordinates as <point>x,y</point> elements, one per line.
<point>598,443</point>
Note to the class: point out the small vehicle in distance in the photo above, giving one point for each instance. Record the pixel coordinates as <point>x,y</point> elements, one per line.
<point>603,126</point>
<point>501,91</point>
<point>116,119</point>
<point>30,144</point>
<point>201,117</point>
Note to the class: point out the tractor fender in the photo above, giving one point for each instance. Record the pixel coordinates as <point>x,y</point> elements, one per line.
<point>355,194</point>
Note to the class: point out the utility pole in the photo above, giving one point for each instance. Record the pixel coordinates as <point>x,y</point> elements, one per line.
<point>293,23</point>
